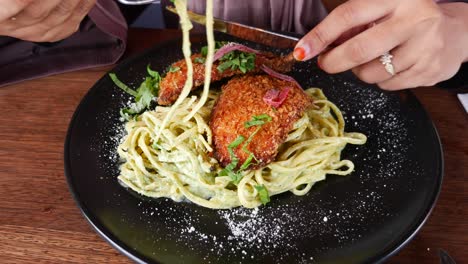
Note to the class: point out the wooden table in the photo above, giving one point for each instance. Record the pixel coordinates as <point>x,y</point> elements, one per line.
<point>39,221</point>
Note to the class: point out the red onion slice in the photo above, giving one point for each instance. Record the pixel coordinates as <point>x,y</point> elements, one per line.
<point>278,75</point>
<point>276,98</point>
<point>231,47</point>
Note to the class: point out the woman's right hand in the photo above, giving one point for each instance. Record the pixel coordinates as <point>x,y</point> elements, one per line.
<point>42,21</point>
<point>428,41</point>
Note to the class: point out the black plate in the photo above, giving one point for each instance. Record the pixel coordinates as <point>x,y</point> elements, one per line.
<point>364,217</point>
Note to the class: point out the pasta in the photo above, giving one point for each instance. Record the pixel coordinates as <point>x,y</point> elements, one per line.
<point>166,152</point>
<point>181,168</point>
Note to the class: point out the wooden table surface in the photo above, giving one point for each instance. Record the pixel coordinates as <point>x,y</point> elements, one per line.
<point>39,221</point>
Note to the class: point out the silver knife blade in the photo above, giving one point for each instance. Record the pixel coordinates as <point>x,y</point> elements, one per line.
<point>254,34</point>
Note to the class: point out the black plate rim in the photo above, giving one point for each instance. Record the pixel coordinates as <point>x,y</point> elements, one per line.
<point>137,257</point>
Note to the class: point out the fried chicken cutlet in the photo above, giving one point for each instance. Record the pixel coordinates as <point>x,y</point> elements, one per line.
<point>173,83</point>
<point>241,99</point>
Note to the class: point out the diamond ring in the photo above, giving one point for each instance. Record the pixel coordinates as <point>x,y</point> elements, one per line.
<point>386,60</point>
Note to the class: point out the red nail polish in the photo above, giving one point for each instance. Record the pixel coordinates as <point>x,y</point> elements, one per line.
<point>299,53</point>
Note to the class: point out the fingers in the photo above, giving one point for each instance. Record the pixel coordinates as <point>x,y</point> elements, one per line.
<point>10,8</point>
<point>410,78</point>
<point>404,57</point>
<point>72,24</point>
<point>62,12</point>
<point>365,47</point>
<point>34,13</point>
<point>62,21</point>
<point>57,14</point>
<point>351,14</point>
<point>426,72</point>
<point>348,35</point>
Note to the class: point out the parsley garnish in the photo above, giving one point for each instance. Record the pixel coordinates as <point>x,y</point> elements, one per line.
<point>229,169</point>
<point>263,194</point>
<point>204,51</point>
<point>234,60</point>
<point>258,120</point>
<point>152,73</point>
<point>128,113</point>
<point>248,161</point>
<point>255,121</point>
<point>218,44</point>
<point>174,68</point>
<point>144,95</point>
<point>200,60</point>
<point>237,60</point>
<point>122,85</point>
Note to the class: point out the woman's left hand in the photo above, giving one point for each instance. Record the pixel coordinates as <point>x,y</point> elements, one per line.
<point>428,41</point>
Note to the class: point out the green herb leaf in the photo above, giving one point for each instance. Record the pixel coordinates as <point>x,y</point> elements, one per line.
<point>258,120</point>
<point>174,69</point>
<point>263,194</point>
<point>237,60</point>
<point>265,117</point>
<point>122,85</point>
<point>152,73</point>
<point>204,51</point>
<point>127,113</point>
<point>231,147</point>
<point>253,123</point>
<point>224,66</point>
<point>144,95</point>
<point>219,44</point>
<point>236,142</point>
<point>244,148</point>
<point>236,177</point>
<point>200,60</point>
<point>247,162</point>
<point>229,169</point>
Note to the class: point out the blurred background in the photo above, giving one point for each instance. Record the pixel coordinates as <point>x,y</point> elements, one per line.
<point>154,15</point>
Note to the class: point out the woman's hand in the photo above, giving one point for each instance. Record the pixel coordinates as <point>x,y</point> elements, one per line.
<point>428,41</point>
<point>42,21</point>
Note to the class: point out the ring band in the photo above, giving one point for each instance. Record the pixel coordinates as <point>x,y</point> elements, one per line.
<point>386,60</point>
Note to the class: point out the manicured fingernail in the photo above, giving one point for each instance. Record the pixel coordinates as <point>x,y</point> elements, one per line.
<point>318,63</point>
<point>299,53</point>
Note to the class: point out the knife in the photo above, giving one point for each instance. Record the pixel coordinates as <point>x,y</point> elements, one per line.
<point>254,34</point>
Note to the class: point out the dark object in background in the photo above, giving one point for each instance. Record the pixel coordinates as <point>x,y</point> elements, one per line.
<point>171,20</point>
<point>459,82</point>
<point>131,12</point>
